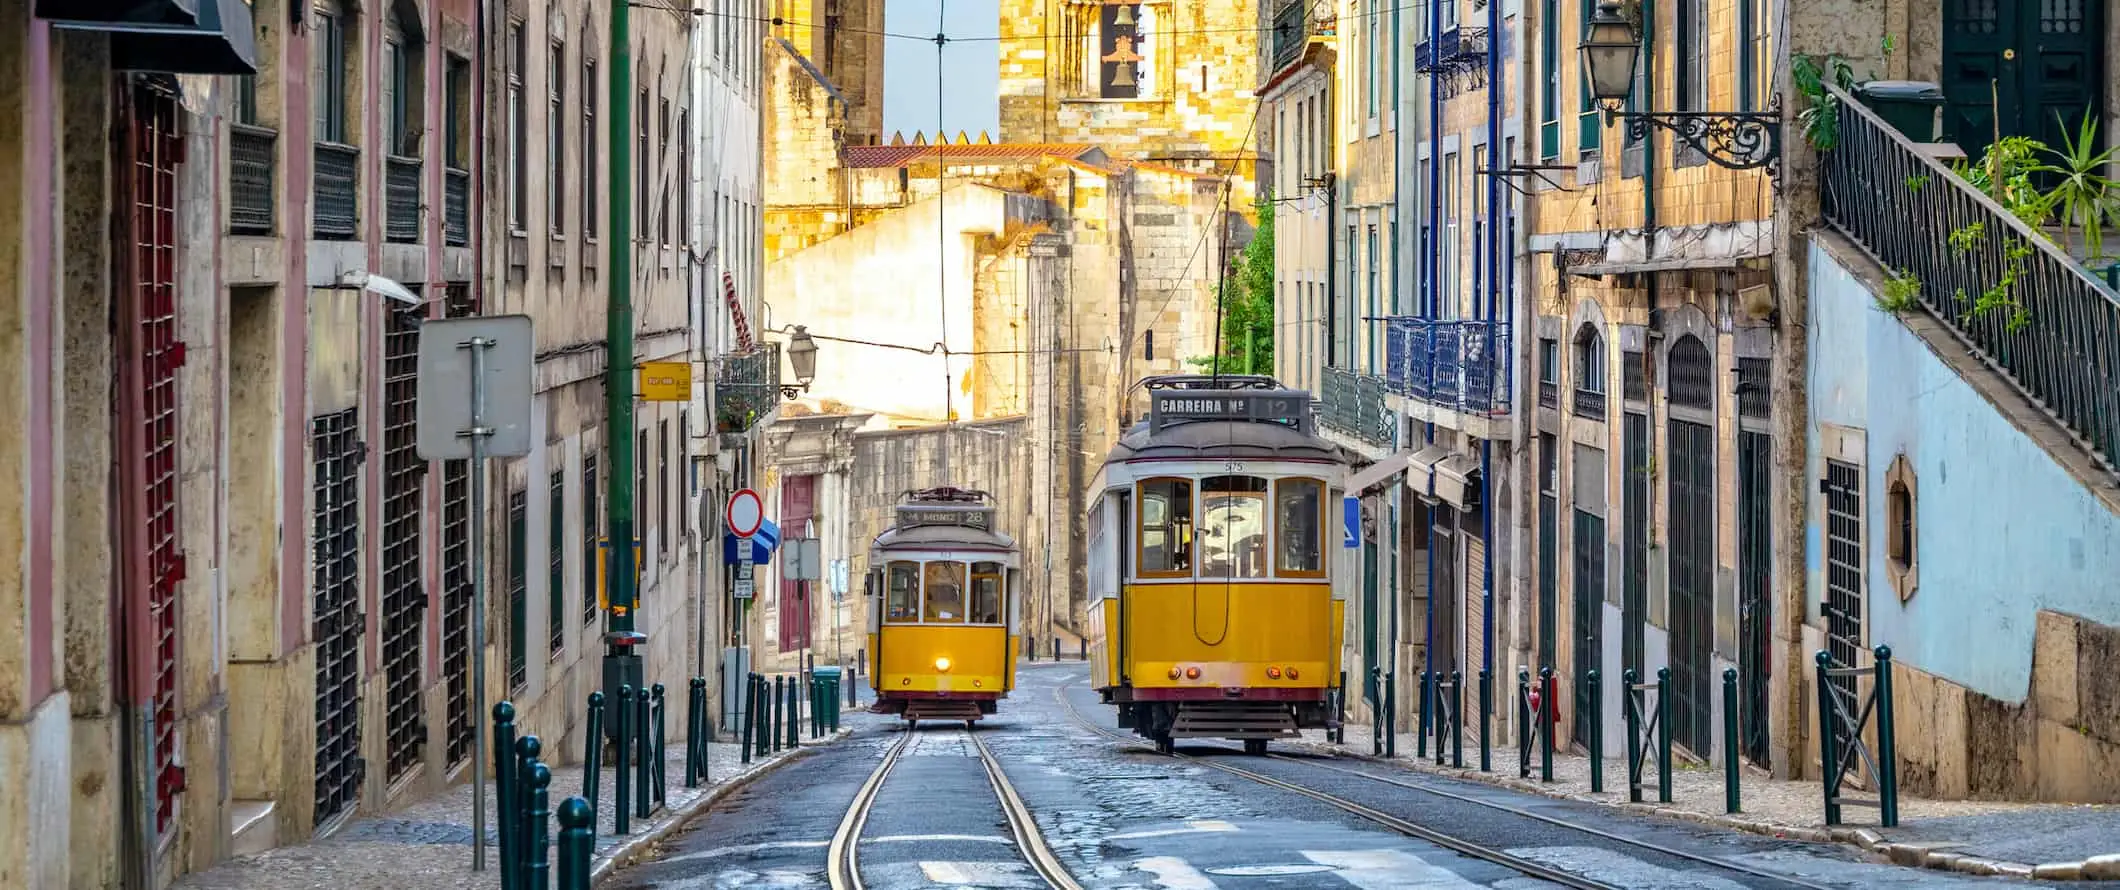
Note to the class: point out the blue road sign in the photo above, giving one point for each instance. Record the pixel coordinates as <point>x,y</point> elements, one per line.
<point>1351,534</point>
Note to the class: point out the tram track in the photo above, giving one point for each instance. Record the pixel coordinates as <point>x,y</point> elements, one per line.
<point>843,854</point>
<point>1483,852</point>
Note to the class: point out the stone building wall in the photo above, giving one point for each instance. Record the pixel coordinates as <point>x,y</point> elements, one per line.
<point>804,129</point>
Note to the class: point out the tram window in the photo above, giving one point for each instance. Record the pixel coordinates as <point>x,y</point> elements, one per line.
<point>1233,527</point>
<point>904,600</point>
<point>1299,510</point>
<point>986,593</point>
<point>945,593</point>
<point>1166,528</point>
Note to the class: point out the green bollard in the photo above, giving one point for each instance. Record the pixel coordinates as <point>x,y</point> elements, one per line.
<point>780,701</point>
<point>1376,712</point>
<point>1486,720</point>
<point>1457,719</point>
<point>622,751</point>
<point>1729,696</point>
<point>527,751</point>
<point>762,716</point>
<point>1634,735</point>
<point>1887,744</point>
<point>695,742</point>
<point>644,752</point>
<point>593,755</point>
<point>1663,735</point>
<point>812,686</point>
<point>1828,747</point>
<point>1546,705</point>
<point>1597,732</point>
<point>747,720</point>
<point>504,789</point>
<point>1420,740</point>
<point>577,843</point>
<point>1524,723</point>
<point>537,842</point>
<point>662,746</point>
<point>1391,713</point>
<point>794,727</point>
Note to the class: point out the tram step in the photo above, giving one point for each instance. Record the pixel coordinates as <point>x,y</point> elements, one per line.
<point>942,710</point>
<point>1234,721</point>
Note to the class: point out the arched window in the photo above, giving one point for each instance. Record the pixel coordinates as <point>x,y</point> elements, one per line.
<point>1692,383</point>
<point>1589,401</point>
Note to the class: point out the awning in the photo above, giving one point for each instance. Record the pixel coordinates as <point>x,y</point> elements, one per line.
<point>1420,468</point>
<point>1457,481</point>
<point>1676,264</point>
<point>762,544</point>
<point>173,36</point>
<point>1376,474</point>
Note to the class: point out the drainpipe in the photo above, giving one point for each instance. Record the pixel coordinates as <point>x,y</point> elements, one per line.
<point>1431,298</point>
<point>1490,253</point>
<point>1332,273</point>
<point>1520,314</point>
<point>1649,183</point>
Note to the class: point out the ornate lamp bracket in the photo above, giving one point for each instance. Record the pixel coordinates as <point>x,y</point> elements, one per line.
<point>1737,140</point>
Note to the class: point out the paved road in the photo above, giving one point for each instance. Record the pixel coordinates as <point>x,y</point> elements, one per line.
<point>1119,817</point>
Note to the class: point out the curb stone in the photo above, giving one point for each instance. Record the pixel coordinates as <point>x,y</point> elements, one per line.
<point>1913,855</point>
<point>625,852</point>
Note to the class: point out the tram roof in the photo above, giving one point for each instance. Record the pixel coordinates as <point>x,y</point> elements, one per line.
<point>942,537</point>
<point>1251,417</point>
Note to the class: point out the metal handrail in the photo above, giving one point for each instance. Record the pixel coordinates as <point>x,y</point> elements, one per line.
<point>401,199</point>
<point>2059,341</point>
<point>252,168</point>
<point>456,206</point>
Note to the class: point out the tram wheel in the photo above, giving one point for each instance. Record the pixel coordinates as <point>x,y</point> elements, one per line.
<point>1166,745</point>
<point>970,725</point>
<point>1255,746</point>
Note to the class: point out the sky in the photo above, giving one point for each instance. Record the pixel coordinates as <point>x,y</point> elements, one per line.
<point>971,69</point>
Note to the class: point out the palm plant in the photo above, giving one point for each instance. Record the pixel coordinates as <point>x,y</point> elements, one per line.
<point>2082,192</point>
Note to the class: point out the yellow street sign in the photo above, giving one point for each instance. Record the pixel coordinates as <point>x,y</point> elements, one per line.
<point>666,381</point>
<point>603,574</point>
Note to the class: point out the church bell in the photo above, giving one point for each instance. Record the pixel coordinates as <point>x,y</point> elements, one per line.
<point>1123,74</point>
<point>1124,17</point>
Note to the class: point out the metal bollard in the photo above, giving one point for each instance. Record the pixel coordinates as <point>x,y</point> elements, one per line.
<point>593,755</point>
<point>1421,739</point>
<point>816,708</point>
<point>780,696</point>
<point>1486,720</point>
<point>1547,703</point>
<point>504,789</point>
<point>1729,695</point>
<point>1525,723</point>
<point>695,732</point>
<point>662,746</point>
<point>577,843</point>
<point>747,721</point>
<point>794,727</point>
<point>1887,743</point>
<point>1597,732</point>
<point>1376,711</point>
<point>761,732</point>
<point>537,840</point>
<point>1030,648</point>
<point>1457,719</point>
<point>1082,648</point>
<point>527,751</point>
<point>1391,713</point>
<point>1634,735</point>
<point>1056,647</point>
<point>622,750</point>
<point>1663,735</point>
<point>644,753</point>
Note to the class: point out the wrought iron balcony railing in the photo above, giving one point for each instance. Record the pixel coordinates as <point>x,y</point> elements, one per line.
<point>1353,403</point>
<point>1587,404</point>
<point>1291,29</point>
<point>746,388</point>
<point>337,215</point>
<point>456,206</point>
<point>2023,305</point>
<point>252,165</point>
<point>1461,366</point>
<point>401,199</point>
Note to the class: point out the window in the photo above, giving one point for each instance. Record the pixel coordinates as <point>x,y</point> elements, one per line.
<point>684,474</point>
<point>591,522</point>
<point>902,596</point>
<point>518,587</point>
<point>1549,464</point>
<point>1166,528</point>
<point>986,592</point>
<point>943,602</point>
<point>1691,72</point>
<point>457,116</point>
<point>396,93</point>
<point>518,133</point>
<point>556,561</point>
<point>1549,88</point>
<point>1370,49</point>
<point>247,100</point>
<point>640,169</point>
<point>1589,374</point>
<point>640,488</point>
<point>1590,122</point>
<point>1299,524</point>
<point>1233,527</point>
<point>662,485</point>
<point>684,177</point>
<point>1376,274</point>
<point>592,92</point>
<point>1448,291</point>
<point>556,121</point>
<point>1902,528</point>
<point>329,80</point>
<point>662,157</point>
<point>1549,372</point>
<point>1753,54</point>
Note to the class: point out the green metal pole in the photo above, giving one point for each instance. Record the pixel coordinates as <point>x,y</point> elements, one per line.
<point>1887,743</point>
<point>1663,735</point>
<point>620,581</point>
<point>1729,696</point>
<point>1597,731</point>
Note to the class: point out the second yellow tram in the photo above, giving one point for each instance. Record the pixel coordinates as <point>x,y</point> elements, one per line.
<point>1212,609</point>
<point>942,609</point>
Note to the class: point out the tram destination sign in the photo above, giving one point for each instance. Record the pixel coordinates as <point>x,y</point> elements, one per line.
<point>1282,406</point>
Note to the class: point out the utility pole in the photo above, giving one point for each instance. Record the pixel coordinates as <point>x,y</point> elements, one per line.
<point>622,643</point>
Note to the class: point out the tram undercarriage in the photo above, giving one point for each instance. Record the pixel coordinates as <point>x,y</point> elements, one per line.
<point>1253,721</point>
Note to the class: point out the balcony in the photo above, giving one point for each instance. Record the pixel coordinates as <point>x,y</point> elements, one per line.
<point>1353,404</point>
<point>456,206</point>
<point>2022,304</point>
<point>401,199</point>
<point>1460,366</point>
<point>1586,404</point>
<point>1457,60</point>
<point>337,215</point>
<point>251,165</point>
<point>1291,30</point>
<point>746,388</point>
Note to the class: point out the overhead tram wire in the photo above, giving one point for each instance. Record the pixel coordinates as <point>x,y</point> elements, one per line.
<point>781,21</point>
<point>942,247</point>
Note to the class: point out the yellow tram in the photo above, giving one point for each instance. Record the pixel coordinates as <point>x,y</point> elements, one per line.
<point>942,609</point>
<point>1212,611</point>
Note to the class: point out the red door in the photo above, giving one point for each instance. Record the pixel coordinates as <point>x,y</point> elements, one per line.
<point>151,563</point>
<point>798,507</point>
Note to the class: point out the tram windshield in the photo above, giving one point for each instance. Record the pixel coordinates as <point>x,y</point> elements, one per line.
<point>903,604</point>
<point>1233,527</point>
<point>1166,528</point>
<point>945,593</point>
<point>1299,507</point>
<point>986,593</point>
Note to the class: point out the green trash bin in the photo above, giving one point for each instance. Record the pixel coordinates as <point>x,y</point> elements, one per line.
<point>1908,105</point>
<point>828,696</point>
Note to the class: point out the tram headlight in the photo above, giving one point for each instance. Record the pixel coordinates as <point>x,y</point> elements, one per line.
<point>1292,673</point>
<point>942,665</point>
<point>1192,673</point>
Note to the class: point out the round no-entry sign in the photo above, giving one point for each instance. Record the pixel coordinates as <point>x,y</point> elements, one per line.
<point>745,514</point>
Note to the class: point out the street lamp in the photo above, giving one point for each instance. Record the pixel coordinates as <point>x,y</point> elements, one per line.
<point>1738,140</point>
<point>802,359</point>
